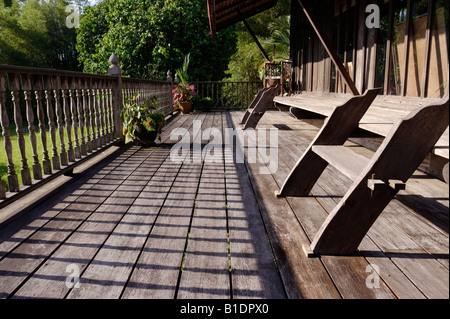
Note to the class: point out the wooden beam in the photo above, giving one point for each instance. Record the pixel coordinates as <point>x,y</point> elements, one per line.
<point>307,9</point>
<point>256,40</point>
<point>426,58</point>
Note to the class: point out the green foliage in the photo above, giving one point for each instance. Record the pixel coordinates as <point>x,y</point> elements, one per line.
<point>34,33</point>
<point>202,103</point>
<point>153,36</point>
<point>271,27</point>
<point>143,113</point>
<point>183,71</point>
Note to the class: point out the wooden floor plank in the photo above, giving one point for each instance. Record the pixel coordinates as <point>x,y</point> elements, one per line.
<point>157,271</point>
<point>254,272</point>
<point>303,277</point>
<point>206,267</point>
<point>16,231</point>
<point>108,272</point>
<point>47,239</point>
<point>78,250</point>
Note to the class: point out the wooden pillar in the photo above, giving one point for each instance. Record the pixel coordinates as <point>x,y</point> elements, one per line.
<point>360,63</point>
<point>117,97</point>
<point>407,47</point>
<point>388,62</point>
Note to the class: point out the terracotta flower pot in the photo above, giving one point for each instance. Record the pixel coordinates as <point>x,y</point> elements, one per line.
<point>185,107</point>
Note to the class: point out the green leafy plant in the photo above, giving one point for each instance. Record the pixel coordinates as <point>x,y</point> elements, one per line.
<point>203,103</point>
<point>183,71</point>
<point>142,113</point>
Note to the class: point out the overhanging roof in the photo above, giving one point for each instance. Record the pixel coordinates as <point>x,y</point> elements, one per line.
<point>223,13</point>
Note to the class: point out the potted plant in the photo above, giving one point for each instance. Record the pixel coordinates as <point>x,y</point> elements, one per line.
<point>141,121</point>
<point>183,92</point>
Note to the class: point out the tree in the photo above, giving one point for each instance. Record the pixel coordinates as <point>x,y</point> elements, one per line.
<point>271,27</point>
<point>34,33</point>
<point>151,37</point>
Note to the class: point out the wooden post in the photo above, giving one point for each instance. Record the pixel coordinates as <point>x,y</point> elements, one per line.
<point>388,62</point>
<point>406,42</point>
<point>117,98</point>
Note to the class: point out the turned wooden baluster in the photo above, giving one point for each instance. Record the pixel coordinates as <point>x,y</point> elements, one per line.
<point>105,112</point>
<point>92,114</point>
<point>72,86</point>
<point>26,87</point>
<point>110,110</point>
<point>51,121</point>
<point>86,109</point>
<point>81,115</point>
<point>37,86</point>
<point>13,181</point>
<point>15,87</point>
<point>94,90</point>
<point>60,120</point>
<point>102,108</point>
<point>66,108</point>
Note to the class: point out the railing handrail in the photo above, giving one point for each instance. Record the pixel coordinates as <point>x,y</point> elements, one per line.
<point>42,71</point>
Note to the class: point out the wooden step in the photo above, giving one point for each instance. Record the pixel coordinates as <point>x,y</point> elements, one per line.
<point>343,158</point>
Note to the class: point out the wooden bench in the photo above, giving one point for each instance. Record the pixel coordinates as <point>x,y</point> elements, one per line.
<point>376,181</point>
<point>384,112</point>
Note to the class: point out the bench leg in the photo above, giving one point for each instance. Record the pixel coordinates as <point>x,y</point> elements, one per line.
<point>252,105</point>
<point>348,223</point>
<point>304,175</point>
<point>261,106</point>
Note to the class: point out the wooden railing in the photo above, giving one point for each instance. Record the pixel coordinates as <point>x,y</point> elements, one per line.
<point>228,95</point>
<point>61,118</point>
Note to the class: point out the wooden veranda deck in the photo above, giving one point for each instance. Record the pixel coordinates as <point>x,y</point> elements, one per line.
<point>138,225</point>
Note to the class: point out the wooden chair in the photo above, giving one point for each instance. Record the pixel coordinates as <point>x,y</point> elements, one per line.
<point>376,180</point>
<point>261,103</point>
<point>279,73</point>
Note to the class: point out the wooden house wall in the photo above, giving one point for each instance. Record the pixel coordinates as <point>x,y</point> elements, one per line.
<point>406,56</point>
